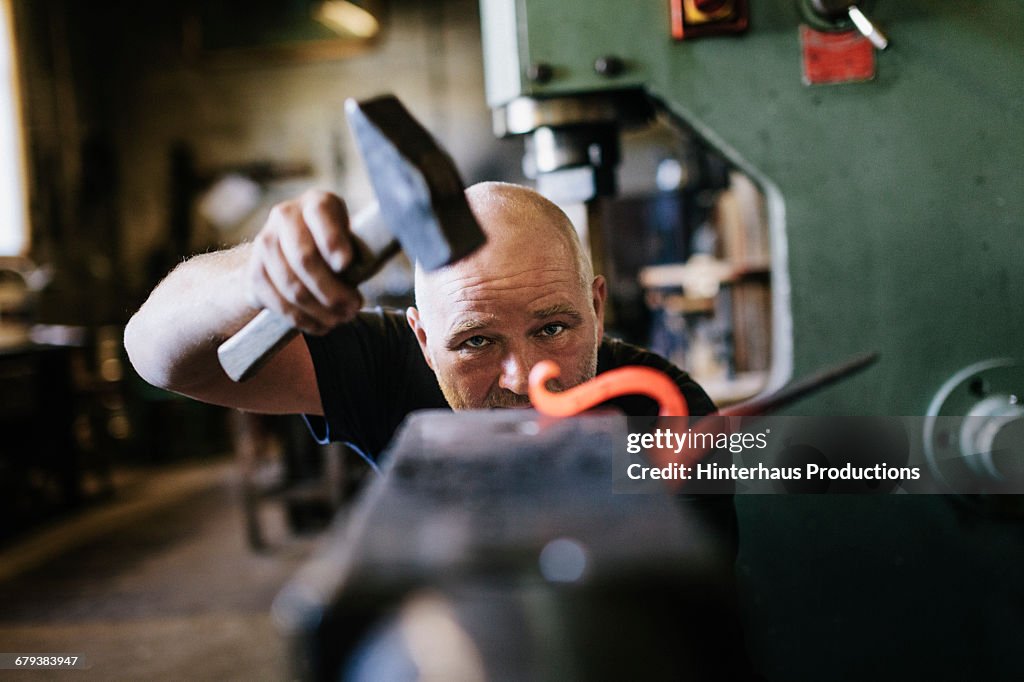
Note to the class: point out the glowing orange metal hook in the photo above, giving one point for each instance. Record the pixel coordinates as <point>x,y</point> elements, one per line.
<point>617,382</point>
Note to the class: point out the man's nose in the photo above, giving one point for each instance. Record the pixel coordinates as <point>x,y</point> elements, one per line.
<point>515,372</point>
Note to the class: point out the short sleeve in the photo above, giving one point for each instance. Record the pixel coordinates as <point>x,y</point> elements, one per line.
<point>371,374</point>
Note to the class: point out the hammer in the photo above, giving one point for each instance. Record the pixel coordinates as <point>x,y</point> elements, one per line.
<point>421,199</point>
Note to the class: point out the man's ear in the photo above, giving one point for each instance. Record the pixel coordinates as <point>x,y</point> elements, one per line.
<point>412,316</point>
<point>599,294</point>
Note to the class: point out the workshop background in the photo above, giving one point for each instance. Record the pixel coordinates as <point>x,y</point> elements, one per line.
<point>768,191</point>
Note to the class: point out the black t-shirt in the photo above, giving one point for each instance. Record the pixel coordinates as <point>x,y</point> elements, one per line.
<point>372,374</point>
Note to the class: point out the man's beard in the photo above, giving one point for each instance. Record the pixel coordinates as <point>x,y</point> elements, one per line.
<point>500,398</point>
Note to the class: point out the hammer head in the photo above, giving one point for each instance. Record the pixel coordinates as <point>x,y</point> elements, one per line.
<point>418,188</point>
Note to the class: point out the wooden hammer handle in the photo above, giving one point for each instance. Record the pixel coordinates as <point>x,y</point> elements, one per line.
<point>253,345</point>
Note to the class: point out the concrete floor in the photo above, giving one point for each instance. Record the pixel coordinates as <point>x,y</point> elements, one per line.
<point>155,585</point>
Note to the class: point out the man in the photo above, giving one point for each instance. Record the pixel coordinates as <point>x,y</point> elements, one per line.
<point>478,327</point>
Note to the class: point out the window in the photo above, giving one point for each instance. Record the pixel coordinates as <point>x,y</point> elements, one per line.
<point>13,214</point>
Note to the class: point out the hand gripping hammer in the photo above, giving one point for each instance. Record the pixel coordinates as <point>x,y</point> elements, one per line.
<point>421,199</point>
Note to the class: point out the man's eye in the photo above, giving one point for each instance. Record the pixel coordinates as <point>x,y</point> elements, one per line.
<point>476,342</point>
<point>552,329</point>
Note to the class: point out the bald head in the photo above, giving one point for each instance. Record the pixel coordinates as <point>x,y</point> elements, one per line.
<point>518,222</point>
<point>529,294</point>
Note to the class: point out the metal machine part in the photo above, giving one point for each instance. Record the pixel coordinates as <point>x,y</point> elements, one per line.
<point>572,143</point>
<point>895,212</point>
<point>839,197</point>
<point>500,531</point>
<point>976,422</point>
<point>611,107</point>
<point>573,165</point>
<point>842,15</point>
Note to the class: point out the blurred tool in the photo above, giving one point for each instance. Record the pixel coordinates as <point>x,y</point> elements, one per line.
<point>492,548</point>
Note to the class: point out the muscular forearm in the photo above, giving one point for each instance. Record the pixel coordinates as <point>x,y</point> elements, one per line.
<point>290,268</point>
<point>172,340</point>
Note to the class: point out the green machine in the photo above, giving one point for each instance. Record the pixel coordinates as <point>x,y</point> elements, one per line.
<point>887,140</point>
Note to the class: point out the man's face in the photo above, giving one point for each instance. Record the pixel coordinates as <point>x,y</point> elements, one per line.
<point>484,323</point>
